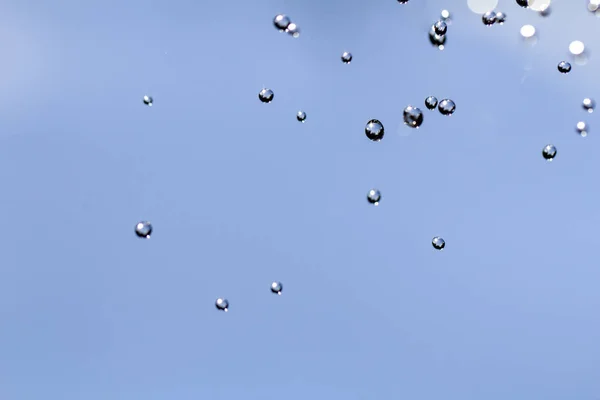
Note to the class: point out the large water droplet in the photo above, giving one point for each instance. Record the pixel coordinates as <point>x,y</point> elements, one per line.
<point>582,128</point>
<point>489,18</point>
<point>589,105</point>
<point>266,95</point>
<point>374,130</point>
<point>222,304</point>
<point>374,197</point>
<point>431,102</point>
<point>413,117</point>
<point>346,57</point>
<point>549,152</point>
<point>276,287</point>
<point>148,100</point>
<point>301,116</point>
<point>440,28</point>
<point>281,22</point>
<point>446,107</point>
<point>438,243</point>
<point>143,229</point>
<point>564,67</point>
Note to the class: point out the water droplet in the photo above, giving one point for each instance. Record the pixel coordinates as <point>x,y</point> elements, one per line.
<point>489,18</point>
<point>589,105</point>
<point>438,41</point>
<point>293,30</point>
<point>440,28</point>
<point>148,100</point>
<point>402,1</point>
<point>447,107</point>
<point>266,95</point>
<point>374,197</point>
<point>301,116</point>
<point>374,130</point>
<point>527,31</point>
<point>413,117</point>
<point>576,47</point>
<point>446,16</point>
<point>143,229</point>
<point>523,3</point>
<point>549,152</point>
<point>222,304</point>
<point>346,57</point>
<point>545,10</point>
<point>564,67</point>
<point>438,243</point>
<point>500,18</point>
<point>582,128</point>
<point>276,287</point>
<point>431,102</point>
<point>281,22</point>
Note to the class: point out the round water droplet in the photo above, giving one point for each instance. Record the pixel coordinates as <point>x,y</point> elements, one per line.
<point>143,229</point>
<point>445,16</point>
<point>589,105</point>
<point>440,28</point>
<point>500,18</point>
<point>293,30</point>
<point>431,102</point>
<point>438,243</point>
<point>523,3</point>
<point>346,57</point>
<point>446,107</point>
<point>222,304</point>
<point>436,40</point>
<point>527,31</point>
<point>374,130</point>
<point>281,22</point>
<point>374,197</point>
<point>549,152</point>
<point>301,116</point>
<point>576,47</point>
<point>489,18</point>
<point>266,95</point>
<point>148,100</point>
<point>276,287</point>
<point>413,117</point>
<point>582,129</point>
<point>564,67</point>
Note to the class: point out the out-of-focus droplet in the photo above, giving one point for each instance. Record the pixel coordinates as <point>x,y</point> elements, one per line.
<point>564,67</point>
<point>440,28</point>
<point>481,6</point>
<point>374,197</point>
<point>447,107</point>
<point>489,18</point>
<point>582,128</point>
<point>438,41</point>
<point>374,130</point>
<point>143,229</point>
<point>576,47</point>
<point>500,18</point>
<point>446,16</point>
<point>281,22</point>
<point>276,287</point>
<point>546,11</point>
<point>589,105</point>
<point>301,116</point>
<point>523,3</point>
<point>222,304</point>
<point>293,30</point>
<point>593,6</point>
<point>148,100</point>
<point>438,243</point>
<point>413,117</point>
<point>540,6</point>
<point>549,152</point>
<point>266,95</point>
<point>527,31</point>
<point>431,102</point>
<point>346,57</point>
<point>402,1</point>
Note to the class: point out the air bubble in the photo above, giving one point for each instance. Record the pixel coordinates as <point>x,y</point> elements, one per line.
<point>446,107</point>
<point>143,229</point>
<point>549,152</point>
<point>489,18</point>
<point>148,100</point>
<point>438,243</point>
<point>564,67</point>
<point>346,57</point>
<point>413,117</point>
<point>431,102</point>
<point>374,130</point>
<point>440,28</point>
<point>582,129</point>
<point>281,22</point>
<point>374,197</point>
<point>301,116</point>
<point>266,95</point>
<point>589,105</point>
<point>222,304</point>
<point>276,287</point>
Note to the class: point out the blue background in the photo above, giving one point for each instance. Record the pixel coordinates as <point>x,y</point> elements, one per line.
<point>240,194</point>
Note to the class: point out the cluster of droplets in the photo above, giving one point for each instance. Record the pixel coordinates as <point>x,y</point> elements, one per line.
<point>283,23</point>
<point>493,17</point>
<point>437,33</point>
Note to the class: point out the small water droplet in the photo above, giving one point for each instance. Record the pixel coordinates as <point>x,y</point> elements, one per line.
<point>549,152</point>
<point>301,116</point>
<point>576,47</point>
<point>440,28</point>
<point>293,30</point>
<point>564,67</point>
<point>281,22</point>
<point>413,117</point>
<point>266,95</point>
<point>523,3</point>
<point>143,229</point>
<point>402,1</point>
<point>148,100</point>
<point>438,243</point>
<point>374,197</point>
<point>222,304</point>
<point>276,287</point>
<point>582,129</point>
<point>589,105</point>
<point>446,107</point>
<point>436,40</point>
<point>500,18</point>
<point>489,18</point>
<point>431,102</point>
<point>346,57</point>
<point>446,16</point>
<point>374,130</point>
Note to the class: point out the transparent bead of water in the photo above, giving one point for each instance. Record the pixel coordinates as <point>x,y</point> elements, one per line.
<point>582,128</point>
<point>148,100</point>
<point>301,116</point>
<point>523,3</point>
<point>446,107</point>
<point>489,18</point>
<point>589,105</point>
<point>564,67</point>
<point>266,95</point>
<point>500,18</point>
<point>413,117</point>
<point>440,28</point>
<point>346,57</point>
<point>431,102</point>
<point>222,304</point>
<point>293,30</point>
<point>374,197</point>
<point>436,40</point>
<point>143,229</point>
<point>549,152</point>
<point>438,243</point>
<point>374,130</point>
<point>281,22</point>
<point>276,287</point>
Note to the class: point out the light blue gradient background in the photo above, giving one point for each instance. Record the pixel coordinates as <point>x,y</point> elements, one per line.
<point>241,194</point>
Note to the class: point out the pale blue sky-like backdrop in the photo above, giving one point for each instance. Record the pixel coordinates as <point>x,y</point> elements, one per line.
<point>240,194</point>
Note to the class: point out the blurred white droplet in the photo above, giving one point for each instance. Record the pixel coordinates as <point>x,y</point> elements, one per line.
<point>528,31</point>
<point>576,47</point>
<point>481,6</point>
<point>539,5</point>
